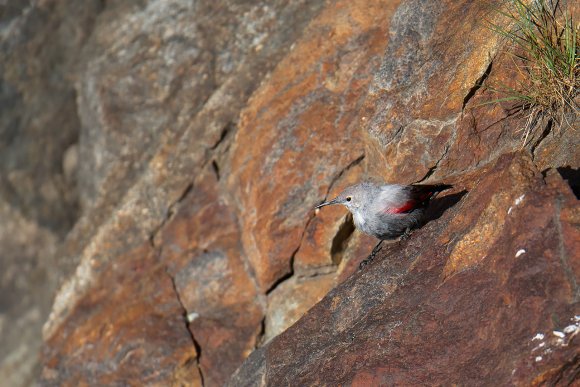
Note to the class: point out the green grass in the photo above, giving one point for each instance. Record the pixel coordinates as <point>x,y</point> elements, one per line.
<point>543,41</point>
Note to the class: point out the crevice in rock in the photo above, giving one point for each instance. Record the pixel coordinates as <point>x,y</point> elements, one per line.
<point>572,177</point>
<point>341,239</point>
<point>229,128</point>
<point>291,272</point>
<point>216,169</point>
<point>567,373</point>
<point>292,257</point>
<point>224,135</point>
<point>319,271</point>
<point>434,167</point>
<point>396,136</point>
<point>541,138</point>
<point>169,214</point>
<point>186,323</point>
<point>260,334</point>
<point>310,218</point>
<point>477,86</point>
<point>562,253</point>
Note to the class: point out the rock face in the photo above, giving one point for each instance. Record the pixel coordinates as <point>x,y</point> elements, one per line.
<point>486,294</point>
<point>39,202</point>
<point>189,143</point>
<point>137,324</point>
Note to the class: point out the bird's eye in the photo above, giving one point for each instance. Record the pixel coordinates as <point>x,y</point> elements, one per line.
<point>348,198</point>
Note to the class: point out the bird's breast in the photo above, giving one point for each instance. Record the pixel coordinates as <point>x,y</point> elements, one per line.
<point>359,221</point>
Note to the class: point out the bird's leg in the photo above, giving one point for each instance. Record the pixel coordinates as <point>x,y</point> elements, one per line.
<point>406,234</point>
<point>372,256</point>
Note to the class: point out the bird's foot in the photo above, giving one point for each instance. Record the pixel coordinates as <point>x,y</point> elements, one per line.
<point>370,258</point>
<point>406,235</point>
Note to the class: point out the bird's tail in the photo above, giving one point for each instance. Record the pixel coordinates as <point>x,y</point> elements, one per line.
<point>424,192</point>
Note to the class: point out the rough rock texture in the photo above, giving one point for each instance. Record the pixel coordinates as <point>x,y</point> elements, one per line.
<point>188,142</point>
<point>39,126</point>
<point>146,188</point>
<point>25,293</point>
<point>461,302</point>
<point>305,111</point>
<point>201,248</point>
<point>38,114</point>
<point>136,325</point>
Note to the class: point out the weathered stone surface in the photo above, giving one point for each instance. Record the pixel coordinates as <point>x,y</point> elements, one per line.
<point>201,248</point>
<point>135,202</point>
<point>508,315</point>
<point>115,225</point>
<point>253,373</point>
<point>306,111</point>
<point>131,328</point>
<point>25,293</point>
<point>143,62</point>
<point>39,44</point>
<point>208,131</point>
<point>197,63</point>
<point>291,299</point>
<point>419,112</point>
<point>486,228</point>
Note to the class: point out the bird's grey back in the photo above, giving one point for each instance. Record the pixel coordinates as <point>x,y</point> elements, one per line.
<point>379,221</point>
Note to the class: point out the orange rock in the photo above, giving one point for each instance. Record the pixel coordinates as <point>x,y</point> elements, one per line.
<point>292,299</point>
<point>201,247</point>
<point>131,325</point>
<point>300,130</point>
<point>507,315</point>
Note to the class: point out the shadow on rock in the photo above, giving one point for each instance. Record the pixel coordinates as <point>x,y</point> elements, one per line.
<point>439,205</point>
<point>572,177</point>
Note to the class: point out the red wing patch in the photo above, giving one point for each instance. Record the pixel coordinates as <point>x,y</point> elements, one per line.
<point>408,206</point>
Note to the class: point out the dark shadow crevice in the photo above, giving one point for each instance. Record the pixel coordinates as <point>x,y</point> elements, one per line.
<point>290,274</point>
<point>572,177</point>
<point>186,323</point>
<point>477,86</point>
<point>541,137</point>
<point>216,169</point>
<point>341,239</point>
<point>260,335</point>
<point>169,214</point>
<point>432,170</point>
<point>229,128</point>
<point>438,206</point>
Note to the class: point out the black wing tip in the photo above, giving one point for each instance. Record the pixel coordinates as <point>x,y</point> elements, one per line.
<point>424,192</point>
<point>432,187</point>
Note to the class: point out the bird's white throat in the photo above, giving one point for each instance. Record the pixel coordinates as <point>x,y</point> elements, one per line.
<point>358,218</point>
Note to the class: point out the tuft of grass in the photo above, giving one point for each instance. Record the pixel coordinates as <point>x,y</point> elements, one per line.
<point>544,47</point>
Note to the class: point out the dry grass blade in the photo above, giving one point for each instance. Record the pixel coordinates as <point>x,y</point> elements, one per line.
<point>543,40</point>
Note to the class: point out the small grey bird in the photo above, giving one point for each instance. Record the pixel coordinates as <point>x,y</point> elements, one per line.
<point>386,211</point>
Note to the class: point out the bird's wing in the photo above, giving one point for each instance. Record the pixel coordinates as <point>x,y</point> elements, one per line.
<point>396,199</point>
<point>423,193</point>
<point>400,199</point>
<point>406,207</point>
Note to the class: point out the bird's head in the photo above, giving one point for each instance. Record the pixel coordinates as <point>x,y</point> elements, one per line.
<point>352,198</point>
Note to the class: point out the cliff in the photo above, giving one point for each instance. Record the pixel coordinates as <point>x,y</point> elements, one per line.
<point>176,150</point>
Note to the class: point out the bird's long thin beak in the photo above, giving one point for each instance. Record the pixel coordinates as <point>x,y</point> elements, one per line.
<point>333,201</point>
